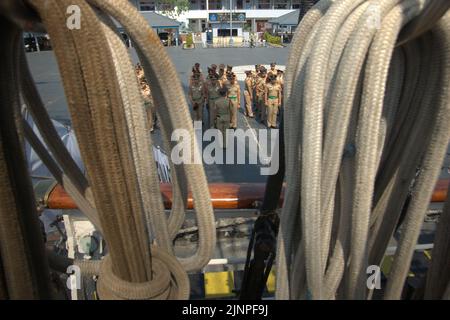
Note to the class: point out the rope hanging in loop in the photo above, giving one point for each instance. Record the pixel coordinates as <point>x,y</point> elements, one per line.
<point>366,104</point>
<point>121,194</point>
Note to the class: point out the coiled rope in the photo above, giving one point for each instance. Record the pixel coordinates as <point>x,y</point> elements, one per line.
<point>120,194</point>
<point>367,103</point>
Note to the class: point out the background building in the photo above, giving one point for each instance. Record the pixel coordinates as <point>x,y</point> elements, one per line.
<point>165,27</point>
<point>285,23</point>
<point>254,16</point>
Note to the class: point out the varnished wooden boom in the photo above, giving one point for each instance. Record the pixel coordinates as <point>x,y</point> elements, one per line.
<point>223,195</point>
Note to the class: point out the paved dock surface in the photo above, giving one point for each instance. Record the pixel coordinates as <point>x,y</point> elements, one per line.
<point>46,75</point>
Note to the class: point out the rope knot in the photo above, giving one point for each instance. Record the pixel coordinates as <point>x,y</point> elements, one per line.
<point>169,281</point>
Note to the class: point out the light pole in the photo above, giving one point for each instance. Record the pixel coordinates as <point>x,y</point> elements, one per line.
<point>231,22</point>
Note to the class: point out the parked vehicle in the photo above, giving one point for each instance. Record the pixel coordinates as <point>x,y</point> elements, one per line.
<point>29,42</point>
<point>164,36</point>
<point>36,42</point>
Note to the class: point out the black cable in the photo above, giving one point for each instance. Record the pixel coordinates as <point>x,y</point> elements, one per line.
<point>263,239</point>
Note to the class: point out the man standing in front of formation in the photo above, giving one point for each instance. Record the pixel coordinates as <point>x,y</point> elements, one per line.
<point>234,95</point>
<point>197,96</point>
<point>248,93</point>
<point>272,101</point>
<point>223,114</point>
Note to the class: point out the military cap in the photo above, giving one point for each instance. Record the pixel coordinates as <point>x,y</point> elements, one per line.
<point>231,75</point>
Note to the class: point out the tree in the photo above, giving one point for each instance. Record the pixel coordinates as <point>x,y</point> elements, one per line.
<point>172,8</point>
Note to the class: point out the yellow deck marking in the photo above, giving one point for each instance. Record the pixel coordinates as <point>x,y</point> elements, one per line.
<point>271,282</point>
<point>387,264</point>
<point>219,284</point>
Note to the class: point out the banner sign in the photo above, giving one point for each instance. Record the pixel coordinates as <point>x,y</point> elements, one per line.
<point>223,17</point>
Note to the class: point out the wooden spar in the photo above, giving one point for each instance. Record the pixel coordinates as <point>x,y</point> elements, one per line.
<point>440,191</point>
<point>223,195</point>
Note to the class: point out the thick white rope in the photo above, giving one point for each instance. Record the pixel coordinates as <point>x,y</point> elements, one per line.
<point>109,119</point>
<point>349,111</point>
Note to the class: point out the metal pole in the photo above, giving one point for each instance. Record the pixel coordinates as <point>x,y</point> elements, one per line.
<point>231,22</point>
<point>38,49</point>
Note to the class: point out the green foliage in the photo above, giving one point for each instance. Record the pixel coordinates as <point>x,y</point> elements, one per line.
<point>173,8</point>
<point>189,40</point>
<point>272,39</point>
<point>184,28</point>
<point>248,27</point>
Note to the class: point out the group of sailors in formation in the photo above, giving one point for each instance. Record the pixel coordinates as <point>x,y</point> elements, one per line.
<point>221,93</point>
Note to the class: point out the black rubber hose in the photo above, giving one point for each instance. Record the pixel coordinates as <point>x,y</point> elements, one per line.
<point>274,182</point>
<point>22,245</point>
